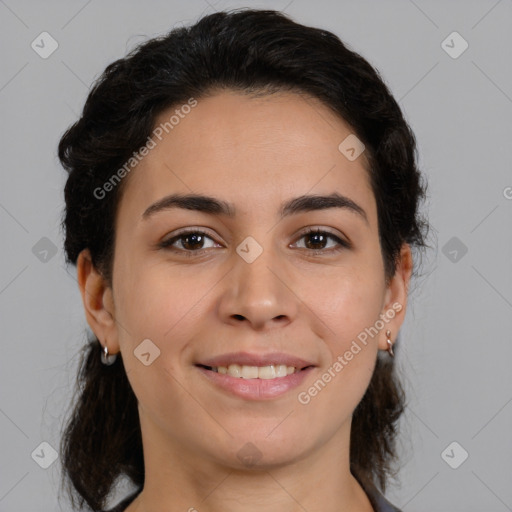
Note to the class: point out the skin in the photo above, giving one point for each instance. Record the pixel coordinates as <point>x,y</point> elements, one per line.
<point>255,153</point>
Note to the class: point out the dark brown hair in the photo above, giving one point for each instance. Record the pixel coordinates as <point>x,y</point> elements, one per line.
<point>256,52</point>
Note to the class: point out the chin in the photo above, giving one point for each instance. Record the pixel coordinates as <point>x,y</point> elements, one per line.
<point>263,452</point>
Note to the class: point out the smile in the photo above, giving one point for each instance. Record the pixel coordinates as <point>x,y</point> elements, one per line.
<point>255,382</point>
<point>271,371</point>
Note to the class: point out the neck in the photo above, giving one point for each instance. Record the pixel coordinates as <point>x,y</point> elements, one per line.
<point>178,479</point>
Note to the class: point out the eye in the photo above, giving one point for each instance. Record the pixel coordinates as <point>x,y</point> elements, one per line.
<point>191,241</point>
<point>318,238</point>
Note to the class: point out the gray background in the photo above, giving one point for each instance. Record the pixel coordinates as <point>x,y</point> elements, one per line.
<point>456,342</point>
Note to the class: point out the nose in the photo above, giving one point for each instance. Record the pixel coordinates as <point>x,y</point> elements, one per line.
<point>259,293</point>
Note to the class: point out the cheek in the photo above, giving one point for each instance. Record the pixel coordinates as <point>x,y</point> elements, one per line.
<point>349,305</point>
<point>154,300</point>
<point>348,301</point>
<point>156,304</point>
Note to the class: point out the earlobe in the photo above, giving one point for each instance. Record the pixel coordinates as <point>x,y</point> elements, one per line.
<point>98,302</point>
<point>395,303</point>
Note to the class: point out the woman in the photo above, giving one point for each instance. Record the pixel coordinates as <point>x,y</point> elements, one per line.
<point>242,208</point>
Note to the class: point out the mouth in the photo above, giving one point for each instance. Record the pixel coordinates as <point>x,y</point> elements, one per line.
<point>255,383</point>
<point>267,372</point>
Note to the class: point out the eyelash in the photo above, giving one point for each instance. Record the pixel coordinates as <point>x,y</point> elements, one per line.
<point>342,244</point>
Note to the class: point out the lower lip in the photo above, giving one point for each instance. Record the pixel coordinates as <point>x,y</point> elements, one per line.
<point>256,389</point>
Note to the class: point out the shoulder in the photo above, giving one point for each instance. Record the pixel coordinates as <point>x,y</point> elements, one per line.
<point>122,505</point>
<point>377,499</point>
<point>383,505</point>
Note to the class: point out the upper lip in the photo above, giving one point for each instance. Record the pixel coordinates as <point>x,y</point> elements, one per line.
<point>247,359</point>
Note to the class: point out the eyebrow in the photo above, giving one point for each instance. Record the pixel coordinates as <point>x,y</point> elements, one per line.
<point>213,206</point>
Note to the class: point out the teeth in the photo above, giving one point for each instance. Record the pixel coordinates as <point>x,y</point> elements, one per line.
<point>249,372</point>
<point>256,372</point>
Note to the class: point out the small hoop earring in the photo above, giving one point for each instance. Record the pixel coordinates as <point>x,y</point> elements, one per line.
<point>390,343</point>
<point>107,359</point>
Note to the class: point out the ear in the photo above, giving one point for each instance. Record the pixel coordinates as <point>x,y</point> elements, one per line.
<point>98,302</point>
<point>395,302</point>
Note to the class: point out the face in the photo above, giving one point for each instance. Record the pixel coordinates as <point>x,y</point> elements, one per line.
<point>249,284</point>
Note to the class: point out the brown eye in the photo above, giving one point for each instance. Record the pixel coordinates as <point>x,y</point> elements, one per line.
<point>314,240</point>
<point>317,240</point>
<point>190,241</point>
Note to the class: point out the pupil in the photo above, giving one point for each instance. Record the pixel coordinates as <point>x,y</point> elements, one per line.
<point>196,240</point>
<point>318,235</point>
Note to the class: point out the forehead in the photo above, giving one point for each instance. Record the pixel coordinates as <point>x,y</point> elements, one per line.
<point>253,149</point>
